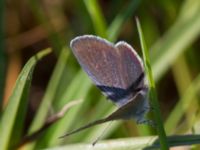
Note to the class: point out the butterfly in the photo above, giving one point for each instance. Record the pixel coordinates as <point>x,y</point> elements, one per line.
<point>118,71</point>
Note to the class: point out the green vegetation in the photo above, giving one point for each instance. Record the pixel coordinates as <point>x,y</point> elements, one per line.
<point>170,29</point>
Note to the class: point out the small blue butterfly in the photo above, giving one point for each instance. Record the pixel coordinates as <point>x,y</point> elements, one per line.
<point>118,72</point>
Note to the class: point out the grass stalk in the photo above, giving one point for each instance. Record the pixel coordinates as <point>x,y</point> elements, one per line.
<point>152,94</point>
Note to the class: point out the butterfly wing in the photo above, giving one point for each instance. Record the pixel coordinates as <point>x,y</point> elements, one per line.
<point>127,111</point>
<point>113,68</point>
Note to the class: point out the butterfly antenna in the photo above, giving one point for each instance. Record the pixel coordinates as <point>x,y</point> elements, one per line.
<point>101,135</point>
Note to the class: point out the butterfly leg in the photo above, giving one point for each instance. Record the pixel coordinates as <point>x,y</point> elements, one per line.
<point>149,108</point>
<point>142,120</point>
<point>147,122</point>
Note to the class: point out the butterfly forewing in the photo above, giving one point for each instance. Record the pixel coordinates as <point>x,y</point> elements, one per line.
<point>98,58</point>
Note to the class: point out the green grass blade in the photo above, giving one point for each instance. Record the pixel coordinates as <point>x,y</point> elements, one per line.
<point>184,81</point>
<point>184,31</point>
<point>182,105</point>
<point>97,17</point>
<point>139,143</point>
<point>69,120</point>
<point>13,116</point>
<point>152,94</point>
<point>50,94</point>
<point>114,28</point>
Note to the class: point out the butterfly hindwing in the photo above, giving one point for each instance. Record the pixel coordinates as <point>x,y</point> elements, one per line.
<point>127,111</point>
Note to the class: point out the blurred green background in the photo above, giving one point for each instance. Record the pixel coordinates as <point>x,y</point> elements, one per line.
<point>171,30</point>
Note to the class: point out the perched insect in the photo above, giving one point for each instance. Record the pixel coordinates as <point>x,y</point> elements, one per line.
<point>118,72</point>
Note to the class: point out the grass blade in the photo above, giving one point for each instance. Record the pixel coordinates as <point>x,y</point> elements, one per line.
<point>182,105</point>
<point>51,136</point>
<point>141,143</point>
<point>185,30</point>
<point>14,113</point>
<point>97,17</point>
<point>50,95</point>
<point>117,23</point>
<point>153,96</point>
